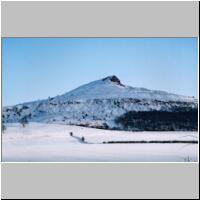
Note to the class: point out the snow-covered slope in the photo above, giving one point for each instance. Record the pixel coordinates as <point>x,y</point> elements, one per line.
<point>97,104</point>
<point>111,87</point>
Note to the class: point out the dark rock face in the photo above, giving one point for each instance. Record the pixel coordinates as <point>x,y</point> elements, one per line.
<point>113,79</point>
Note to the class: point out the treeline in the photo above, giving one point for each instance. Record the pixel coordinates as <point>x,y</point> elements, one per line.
<point>159,121</point>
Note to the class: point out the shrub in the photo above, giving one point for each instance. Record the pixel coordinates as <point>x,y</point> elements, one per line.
<point>24,121</point>
<point>3,128</point>
<point>83,139</point>
<point>71,133</point>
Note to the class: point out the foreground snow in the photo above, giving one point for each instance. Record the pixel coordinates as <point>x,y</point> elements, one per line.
<point>40,142</point>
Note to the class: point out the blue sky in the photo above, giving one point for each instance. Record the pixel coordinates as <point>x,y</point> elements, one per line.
<point>36,68</point>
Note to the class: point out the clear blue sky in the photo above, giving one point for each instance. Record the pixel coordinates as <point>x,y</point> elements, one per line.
<point>36,68</point>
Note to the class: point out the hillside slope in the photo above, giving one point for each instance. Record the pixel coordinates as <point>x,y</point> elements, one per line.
<point>98,104</point>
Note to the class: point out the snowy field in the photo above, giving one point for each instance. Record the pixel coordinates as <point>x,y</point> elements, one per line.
<point>40,142</point>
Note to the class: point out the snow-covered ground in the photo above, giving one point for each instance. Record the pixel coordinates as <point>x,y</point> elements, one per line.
<point>40,142</point>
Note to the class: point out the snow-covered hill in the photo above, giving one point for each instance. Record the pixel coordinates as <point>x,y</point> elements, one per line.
<point>97,104</point>
<point>111,87</point>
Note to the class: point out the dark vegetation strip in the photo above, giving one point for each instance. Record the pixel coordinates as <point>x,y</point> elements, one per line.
<point>178,120</point>
<point>153,141</point>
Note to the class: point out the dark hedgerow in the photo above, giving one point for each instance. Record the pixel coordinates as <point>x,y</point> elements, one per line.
<point>159,121</point>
